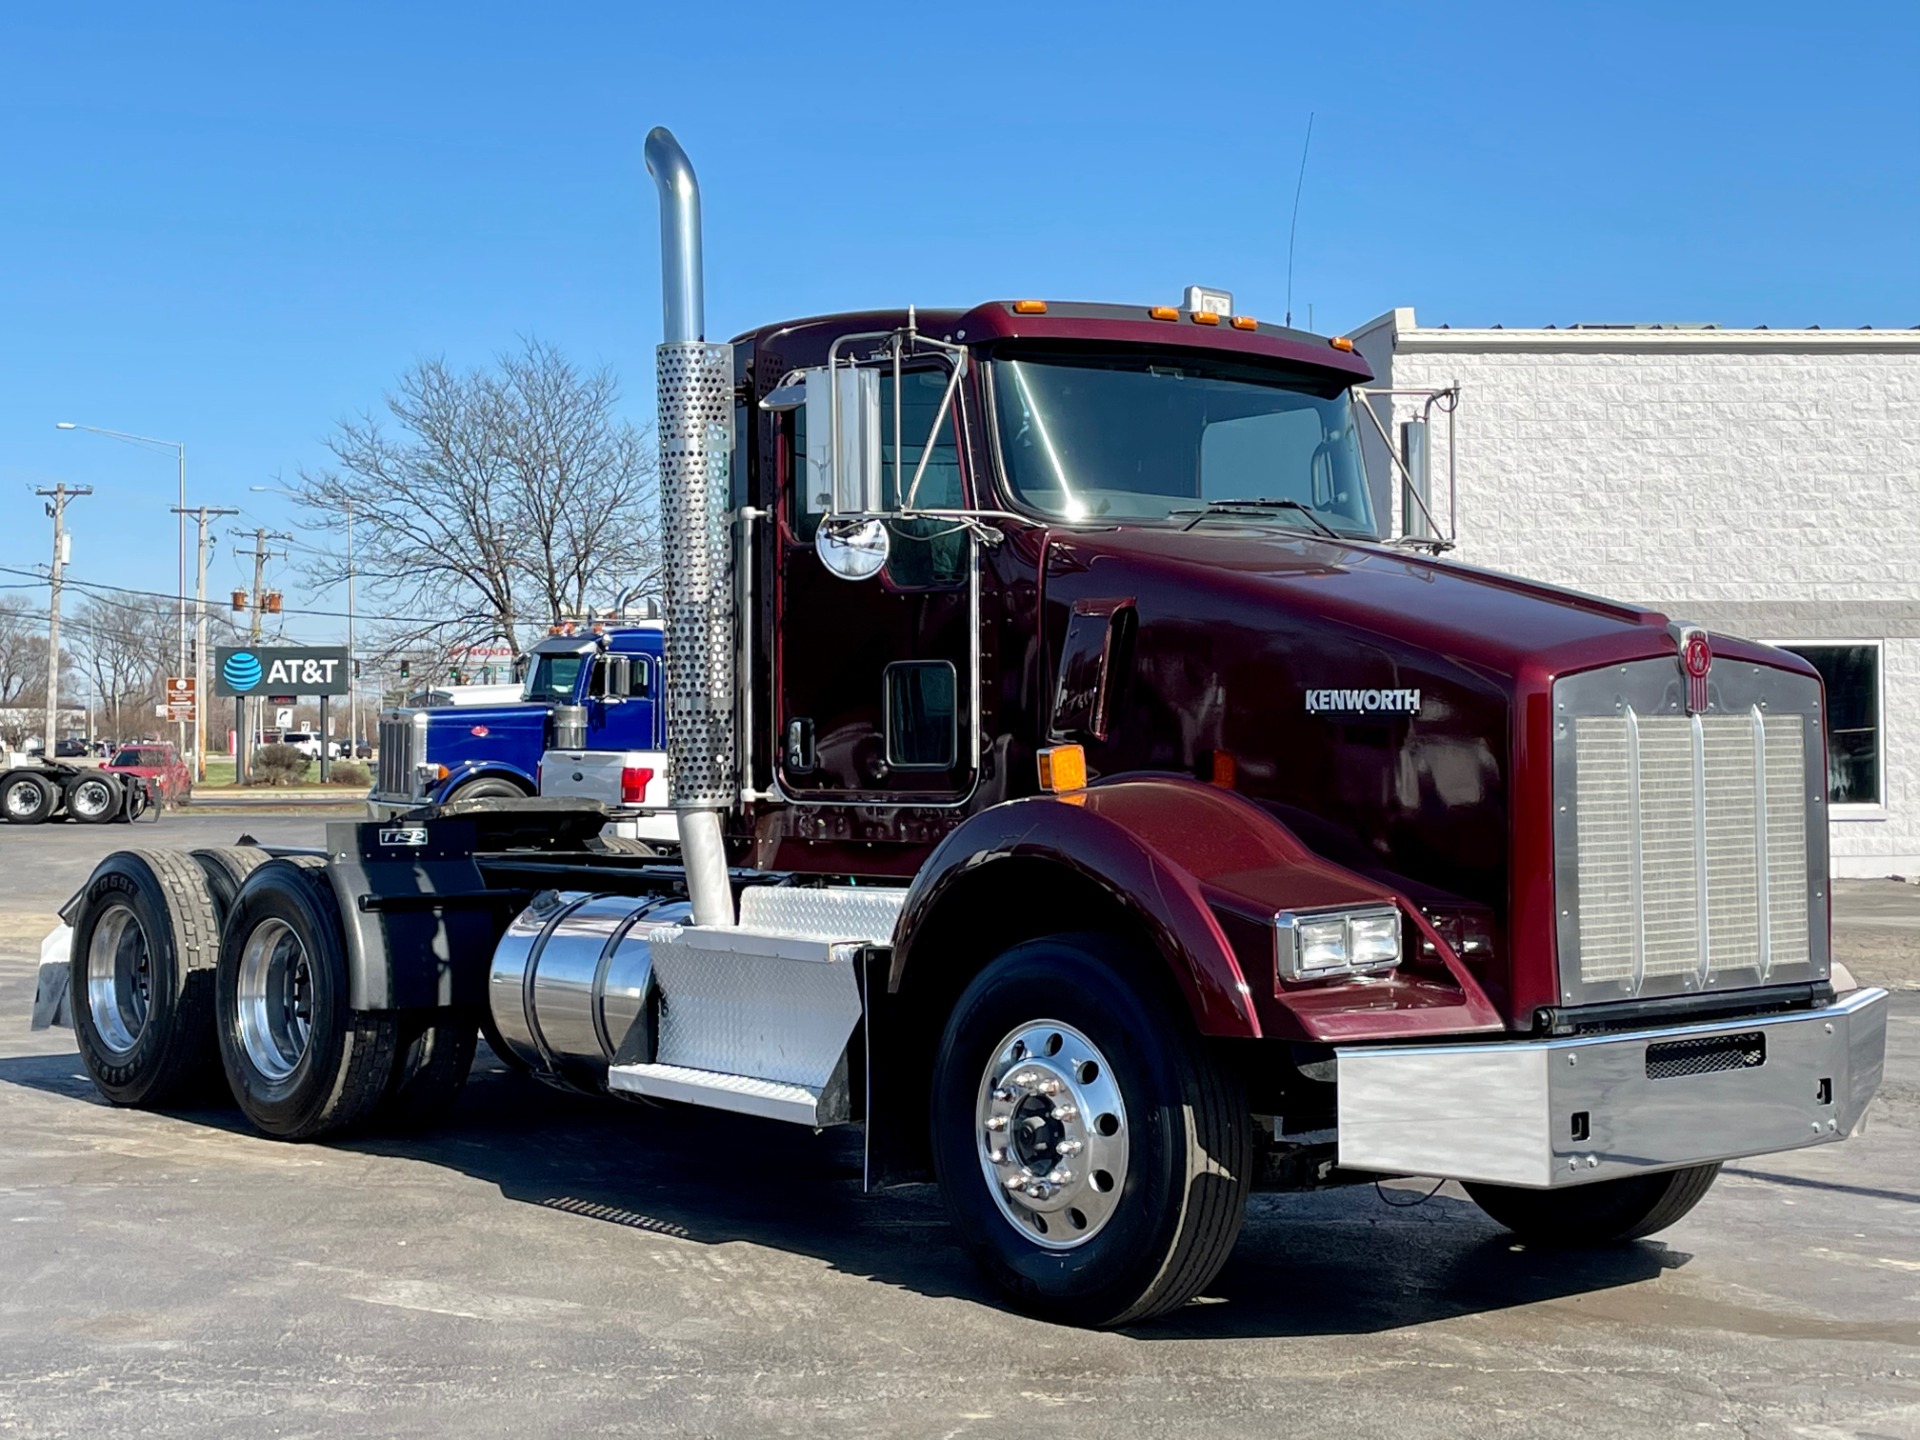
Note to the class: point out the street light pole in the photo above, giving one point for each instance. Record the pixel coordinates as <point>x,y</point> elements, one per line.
<point>180,449</point>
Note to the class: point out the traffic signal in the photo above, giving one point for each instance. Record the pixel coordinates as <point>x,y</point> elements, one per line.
<point>406,668</point>
<point>356,669</point>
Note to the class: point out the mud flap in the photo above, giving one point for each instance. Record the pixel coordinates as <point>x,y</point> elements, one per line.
<point>52,1004</point>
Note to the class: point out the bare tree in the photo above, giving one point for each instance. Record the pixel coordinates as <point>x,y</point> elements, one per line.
<point>126,648</point>
<point>488,504</point>
<point>23,669</point>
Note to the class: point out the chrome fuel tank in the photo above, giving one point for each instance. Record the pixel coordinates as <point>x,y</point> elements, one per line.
<point>572,979</point>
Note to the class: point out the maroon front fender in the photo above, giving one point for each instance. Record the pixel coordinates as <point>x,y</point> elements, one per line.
<point>1190,862</point>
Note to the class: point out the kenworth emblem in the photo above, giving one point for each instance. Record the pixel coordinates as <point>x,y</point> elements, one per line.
<point>1696,663</point>
<point>1363,702</point>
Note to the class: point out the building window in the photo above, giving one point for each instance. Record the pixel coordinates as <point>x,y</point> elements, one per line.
<point>1851,671</point>
<point>922,733</point>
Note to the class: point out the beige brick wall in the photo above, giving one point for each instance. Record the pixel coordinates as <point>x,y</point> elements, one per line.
<point>1763,483</point>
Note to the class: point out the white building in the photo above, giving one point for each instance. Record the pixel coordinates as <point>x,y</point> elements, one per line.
<point>1764,483</point>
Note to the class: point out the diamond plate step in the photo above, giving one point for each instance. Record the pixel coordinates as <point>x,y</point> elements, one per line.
<point>771,1099</point>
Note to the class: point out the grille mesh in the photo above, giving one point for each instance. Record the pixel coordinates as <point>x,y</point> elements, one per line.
<point>1684,819</point>
<point>396,755</point>
<point>1672,1059</point>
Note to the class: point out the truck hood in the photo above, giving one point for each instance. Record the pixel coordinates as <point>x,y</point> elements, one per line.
<point>1491,622</point>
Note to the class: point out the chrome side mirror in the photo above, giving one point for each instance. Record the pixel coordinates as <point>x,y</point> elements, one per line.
<point>843,442</point>
<point>1416,481</point>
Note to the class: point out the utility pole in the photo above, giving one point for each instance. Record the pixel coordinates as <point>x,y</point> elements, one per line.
<point>204,513</point>
<point>260,554</point>
<point>59,495</point>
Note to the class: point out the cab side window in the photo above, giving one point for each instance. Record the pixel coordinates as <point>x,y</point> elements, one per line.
<point>620,677</point>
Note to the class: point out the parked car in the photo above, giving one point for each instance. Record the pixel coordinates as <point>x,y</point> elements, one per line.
<point>307,742</point>
<point>160,762</point>
<point>71,748</point>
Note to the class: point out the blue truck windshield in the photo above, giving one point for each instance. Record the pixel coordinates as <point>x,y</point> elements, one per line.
<point>1136,436</point>
<point>554,679</point>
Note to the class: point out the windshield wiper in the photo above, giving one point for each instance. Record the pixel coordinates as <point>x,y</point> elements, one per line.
<point>1254,507</point>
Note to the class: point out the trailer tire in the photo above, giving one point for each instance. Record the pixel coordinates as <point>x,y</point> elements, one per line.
<point>1163,1128</point>
<point>301,1062</point>
<point>227,868</point>
<point>146,942</point>
<point>28,799</point>
<point>94,797</point>
<point>432,1056</point>
<point>1606,1212</point>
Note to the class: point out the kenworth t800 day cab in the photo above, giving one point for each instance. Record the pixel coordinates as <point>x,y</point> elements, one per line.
<point>1075,790</point>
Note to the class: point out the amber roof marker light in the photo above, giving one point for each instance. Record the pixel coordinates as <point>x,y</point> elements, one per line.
<point>1245,322</point>
<point>1029,307</point>
<point>1163,312</point>
<point>1340,342</point>
<point>1205,317</point>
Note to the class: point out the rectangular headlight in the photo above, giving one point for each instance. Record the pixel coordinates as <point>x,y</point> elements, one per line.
<point>1329,943</point>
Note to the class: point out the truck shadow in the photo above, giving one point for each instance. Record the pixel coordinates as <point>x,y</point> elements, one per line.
<point>1329,1263</point>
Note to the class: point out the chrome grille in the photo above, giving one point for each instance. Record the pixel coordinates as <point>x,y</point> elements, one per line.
<point>396,755</point>
<point>1685,858</point>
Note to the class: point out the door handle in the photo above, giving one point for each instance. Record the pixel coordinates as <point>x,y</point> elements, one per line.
<point>800,745</point>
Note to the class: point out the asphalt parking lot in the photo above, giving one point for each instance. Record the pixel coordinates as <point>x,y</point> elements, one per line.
<point>547,1264</point>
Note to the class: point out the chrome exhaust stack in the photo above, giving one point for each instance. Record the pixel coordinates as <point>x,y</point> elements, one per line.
<point>695,387</point>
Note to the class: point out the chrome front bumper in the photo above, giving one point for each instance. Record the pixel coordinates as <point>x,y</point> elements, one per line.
<point>1544,1113</point>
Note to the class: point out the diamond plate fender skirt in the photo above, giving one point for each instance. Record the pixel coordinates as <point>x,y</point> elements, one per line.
<point>1201,872</point>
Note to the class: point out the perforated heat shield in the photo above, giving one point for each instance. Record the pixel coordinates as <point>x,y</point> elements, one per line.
<point>696,446</point>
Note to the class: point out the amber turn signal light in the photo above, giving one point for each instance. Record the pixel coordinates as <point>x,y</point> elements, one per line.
<point>1029,307</point>
<point>1063,767</point>
<point>1205,317</point>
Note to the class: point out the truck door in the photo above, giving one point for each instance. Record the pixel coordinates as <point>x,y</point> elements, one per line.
<point>620,703</point>
<point>874,678</point>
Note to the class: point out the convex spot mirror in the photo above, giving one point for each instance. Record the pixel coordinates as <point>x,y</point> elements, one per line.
<point>852,549</point>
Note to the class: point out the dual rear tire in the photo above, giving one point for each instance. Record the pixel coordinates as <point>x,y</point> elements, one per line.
<point>227,960</point>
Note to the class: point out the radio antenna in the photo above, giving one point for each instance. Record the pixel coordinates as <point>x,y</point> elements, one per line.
<point>1293,227</point>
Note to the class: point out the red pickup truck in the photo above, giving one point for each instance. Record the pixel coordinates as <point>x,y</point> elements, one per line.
<point>158,761</point>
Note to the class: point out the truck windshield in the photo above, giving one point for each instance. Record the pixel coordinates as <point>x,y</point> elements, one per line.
<point>1119,435</point>
<point>554,678</point>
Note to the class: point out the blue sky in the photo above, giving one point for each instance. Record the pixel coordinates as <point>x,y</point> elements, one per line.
<point>232,224</point>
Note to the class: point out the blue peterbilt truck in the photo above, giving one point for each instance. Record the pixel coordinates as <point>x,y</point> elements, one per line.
<point>588,723</point>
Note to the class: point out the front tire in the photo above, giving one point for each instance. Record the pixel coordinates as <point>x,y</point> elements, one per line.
<point>300,1062</point>
<point>145,944</point>
<point>1094,1157</point>
<point>1603,1213</point>
<point>488,789</point>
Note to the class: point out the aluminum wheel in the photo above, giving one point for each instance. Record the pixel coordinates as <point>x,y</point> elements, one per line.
<point>1052,1134</point>
<point>274,999</point>
<point>119,979</point>
<point>90,799</point>
<point>23,799</point>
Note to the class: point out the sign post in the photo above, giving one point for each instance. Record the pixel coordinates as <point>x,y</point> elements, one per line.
<point>181,695</point>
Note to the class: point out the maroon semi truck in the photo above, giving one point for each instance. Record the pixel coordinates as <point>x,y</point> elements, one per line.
<point>1079,790</point>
